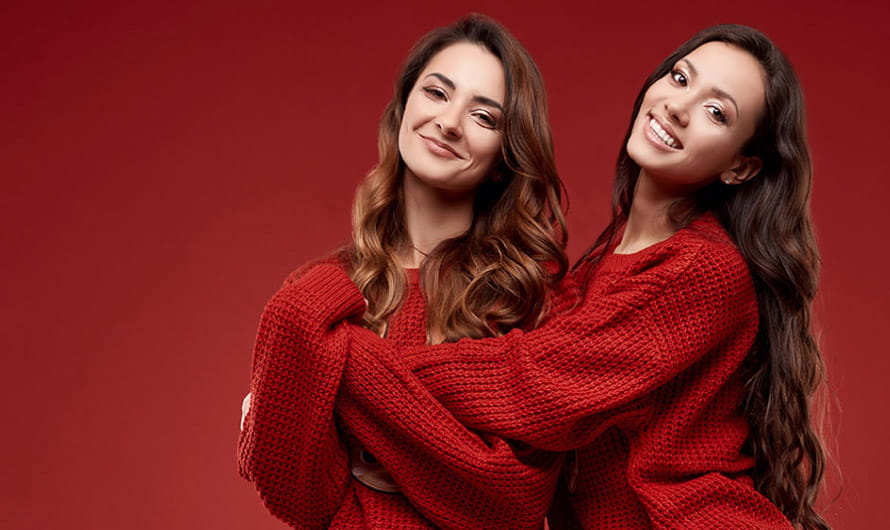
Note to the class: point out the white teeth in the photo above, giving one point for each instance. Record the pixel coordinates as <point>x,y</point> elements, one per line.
<point>661,133</point>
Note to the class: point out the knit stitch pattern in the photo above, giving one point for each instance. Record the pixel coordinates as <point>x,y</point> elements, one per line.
<point>643,380</point>
<point>293,451</point>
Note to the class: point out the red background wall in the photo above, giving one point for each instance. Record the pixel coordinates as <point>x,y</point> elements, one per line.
<point>165,165</point>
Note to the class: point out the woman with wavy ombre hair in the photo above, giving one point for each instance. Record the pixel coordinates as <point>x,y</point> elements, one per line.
<point>458,232</point>
<point>682,382</point>
<point>493,276</point>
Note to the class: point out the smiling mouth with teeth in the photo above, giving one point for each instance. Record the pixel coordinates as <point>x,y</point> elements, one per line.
<point>663,135</point>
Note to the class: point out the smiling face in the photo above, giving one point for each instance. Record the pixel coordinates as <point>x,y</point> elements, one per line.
<point>451,131</point>
<point>694,121</point>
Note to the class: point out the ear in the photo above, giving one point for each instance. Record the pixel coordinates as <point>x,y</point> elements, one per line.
<point>743,168</point>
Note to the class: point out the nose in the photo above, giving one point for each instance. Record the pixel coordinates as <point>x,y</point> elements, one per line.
<point>448,121</point>
<point>677,109</point>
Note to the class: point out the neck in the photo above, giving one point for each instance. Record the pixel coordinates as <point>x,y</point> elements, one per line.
<point>648,221</point>
<point>432,216</point>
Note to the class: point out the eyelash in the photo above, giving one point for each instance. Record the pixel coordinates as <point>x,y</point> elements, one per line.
<point>677,76</point>
<point>435,92</point>
<point>484,118</point>
<point>675,73</point>
<point>717,113</point>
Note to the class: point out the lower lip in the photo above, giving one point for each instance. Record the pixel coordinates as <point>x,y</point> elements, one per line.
<point>437,149</point>
<point>655,140</point>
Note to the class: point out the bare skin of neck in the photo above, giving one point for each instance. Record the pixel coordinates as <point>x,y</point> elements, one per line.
<point>648,222</point>
<point>431,216</point>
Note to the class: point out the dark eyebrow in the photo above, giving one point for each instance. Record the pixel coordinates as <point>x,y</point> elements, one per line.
<point>717,92</point>
<point>478,99</point>
<point>444,79</point>
<point>488,101</point>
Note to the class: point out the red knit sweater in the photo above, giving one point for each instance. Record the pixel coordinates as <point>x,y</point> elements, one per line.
<point>643,380</point>
<point>291,448</point>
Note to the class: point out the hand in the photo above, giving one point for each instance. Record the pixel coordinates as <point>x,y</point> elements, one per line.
<point>245,408</point>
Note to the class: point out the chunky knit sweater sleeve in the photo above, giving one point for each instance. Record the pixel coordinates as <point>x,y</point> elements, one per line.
<point>289,447</point>
<point>556,387</point>
<point>645,320</point>
<point>655,347</point>
<point>455,476</point>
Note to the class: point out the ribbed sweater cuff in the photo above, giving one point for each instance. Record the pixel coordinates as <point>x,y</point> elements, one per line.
<point>335,291</point>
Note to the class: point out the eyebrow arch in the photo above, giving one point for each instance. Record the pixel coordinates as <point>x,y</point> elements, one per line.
<point>478,99</point>
<point>717,92</point>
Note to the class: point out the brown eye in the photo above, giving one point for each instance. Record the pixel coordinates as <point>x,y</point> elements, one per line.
<point>435,92</point>
<point>679,77</point>
<point>717,113</point>
<point>486,120</point>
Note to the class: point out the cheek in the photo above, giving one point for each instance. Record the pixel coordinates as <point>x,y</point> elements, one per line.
<point>488,145</point>
<point>416,108</point>
<point>716,152</point>
<point>636,139</point>
<point>403,136</point>
<point>408,114</point>
<point>654,93</point>
<point>639,123</point>
<point>725,147</point>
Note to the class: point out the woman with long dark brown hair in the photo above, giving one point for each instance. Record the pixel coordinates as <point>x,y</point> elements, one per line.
<point>682,383</point>
<point>457,232</point>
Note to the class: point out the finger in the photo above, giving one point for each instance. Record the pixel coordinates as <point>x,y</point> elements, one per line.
<point>245,408</point>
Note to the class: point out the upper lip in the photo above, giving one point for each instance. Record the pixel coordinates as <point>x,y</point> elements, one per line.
<point>667,128</point>
<point>442,144</point>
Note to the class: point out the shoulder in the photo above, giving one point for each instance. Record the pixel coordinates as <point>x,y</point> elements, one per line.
<point>314,289</point>
<point>713,267</point>
<point>714,249</point>
<point>339,258</point>
<point>304,281</point>
<point>699,257</point>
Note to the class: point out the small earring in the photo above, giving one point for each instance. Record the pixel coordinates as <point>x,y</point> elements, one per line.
<point>728,180</point>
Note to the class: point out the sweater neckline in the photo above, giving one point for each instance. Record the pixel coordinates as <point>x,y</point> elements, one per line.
<point>612,261</point>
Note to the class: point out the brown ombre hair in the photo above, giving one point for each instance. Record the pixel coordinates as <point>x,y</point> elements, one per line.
<point>768,218</point>
<point>495,276</point>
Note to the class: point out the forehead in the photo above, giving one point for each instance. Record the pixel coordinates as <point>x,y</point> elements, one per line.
<point>471,67</point>
<point>733,70</point>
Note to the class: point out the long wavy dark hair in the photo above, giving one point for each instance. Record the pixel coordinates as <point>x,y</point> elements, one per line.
<point>497,275</point>
<point>768,218</point>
